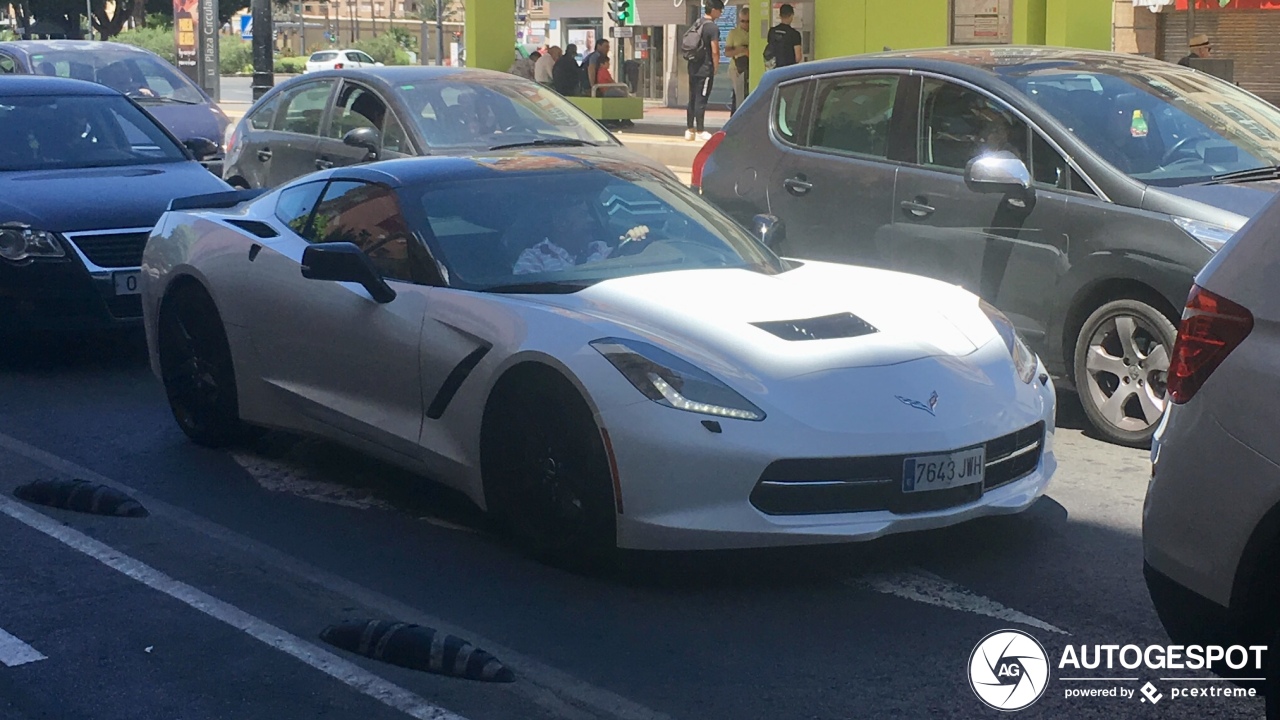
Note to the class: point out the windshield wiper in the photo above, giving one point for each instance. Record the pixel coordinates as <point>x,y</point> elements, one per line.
<point>159,99</point>
<point>1268,172</point>
<point>562,142</point>
<point>545,287</point>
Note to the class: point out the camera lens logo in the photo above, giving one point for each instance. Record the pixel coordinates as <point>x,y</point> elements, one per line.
<point>1008,670</point>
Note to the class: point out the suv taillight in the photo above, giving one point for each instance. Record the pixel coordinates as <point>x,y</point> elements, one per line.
<point>337,66</point>
<point>1212,326</point>
<point>700,161</point>
<point>231,140</point>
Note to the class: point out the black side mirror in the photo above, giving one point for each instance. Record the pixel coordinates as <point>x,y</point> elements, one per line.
<point>367,138</point>
<point>771,231</point>
<point>201,148</point>
<point>345,262</point>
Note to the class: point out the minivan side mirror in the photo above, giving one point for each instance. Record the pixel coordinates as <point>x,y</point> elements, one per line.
<point>1000,173</point>
<point>771,231</point>
<point>366,138</point>
<point>345,262</point>
<point>200,147</point>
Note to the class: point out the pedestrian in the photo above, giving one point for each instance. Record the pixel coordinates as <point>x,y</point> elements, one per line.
<point>564,75</point>
<point>701,48</point>
<point>784,45</point>
<point>1200,48</point>
<point>523,67</point>
<point>543,70</point>
<point>738,47</point>
<point>591,66</point>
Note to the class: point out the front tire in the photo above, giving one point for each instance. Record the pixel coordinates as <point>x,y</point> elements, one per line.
<point>1121,367</point>
<point>546,476</point>
<point>196,368</point>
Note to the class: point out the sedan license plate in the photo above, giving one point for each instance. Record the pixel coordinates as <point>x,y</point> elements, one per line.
<point>940,472</point>
<point>128,283</point>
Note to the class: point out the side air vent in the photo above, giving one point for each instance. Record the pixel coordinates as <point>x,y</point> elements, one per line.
<point>256,227</point>
<point>827,327</point>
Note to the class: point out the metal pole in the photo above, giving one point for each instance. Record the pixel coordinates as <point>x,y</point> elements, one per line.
<point>439,32</point>
<point>263,58</point>
<point>88,16</point>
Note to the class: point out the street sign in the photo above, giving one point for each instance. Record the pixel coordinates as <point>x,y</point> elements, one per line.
<point>623,32</point>
<point>246,27</point>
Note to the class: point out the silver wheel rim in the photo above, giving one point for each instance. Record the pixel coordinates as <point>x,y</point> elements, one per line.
<point>1127,365</point>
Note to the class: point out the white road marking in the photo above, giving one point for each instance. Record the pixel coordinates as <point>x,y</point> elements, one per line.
<point>14,652</point>
<point>925,587</point>
<point>326,662</point>
<point>541,684</point>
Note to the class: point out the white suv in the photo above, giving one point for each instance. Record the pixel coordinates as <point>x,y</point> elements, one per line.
<point>1211,522</point>
<point>339,60</point>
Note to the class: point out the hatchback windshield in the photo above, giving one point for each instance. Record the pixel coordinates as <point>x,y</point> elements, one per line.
<point>138,75</point>
<point>1164,127</point>
<point>484,113</point>
<point>551,231</point>
<point>79,132</point>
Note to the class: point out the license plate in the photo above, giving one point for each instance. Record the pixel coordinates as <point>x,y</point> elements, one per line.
<point>939,472</point>
<point>128,283</point>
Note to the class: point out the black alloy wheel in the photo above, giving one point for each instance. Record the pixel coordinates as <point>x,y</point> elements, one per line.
<point>196,368</point>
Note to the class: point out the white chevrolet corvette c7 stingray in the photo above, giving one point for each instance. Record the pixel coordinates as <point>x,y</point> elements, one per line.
<point>595,355</point>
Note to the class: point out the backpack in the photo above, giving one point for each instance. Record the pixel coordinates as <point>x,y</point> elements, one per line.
<point>691,45</point>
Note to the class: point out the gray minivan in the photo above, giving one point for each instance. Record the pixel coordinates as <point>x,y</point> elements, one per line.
<point>1077,191</point>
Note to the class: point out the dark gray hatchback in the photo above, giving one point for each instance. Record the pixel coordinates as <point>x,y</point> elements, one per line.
<point>1077,191</point>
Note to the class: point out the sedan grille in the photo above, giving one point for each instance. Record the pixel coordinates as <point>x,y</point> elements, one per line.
<point>112,249</point>
<point>864,484</point>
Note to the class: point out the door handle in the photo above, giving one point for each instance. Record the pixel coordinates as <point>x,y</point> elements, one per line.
<point>323,164</point>
<point>798,185</point>
<point>918,207</point>
<point>264,154</point>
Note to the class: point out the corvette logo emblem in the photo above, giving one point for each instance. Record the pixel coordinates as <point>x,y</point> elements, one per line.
<point>929,407</point>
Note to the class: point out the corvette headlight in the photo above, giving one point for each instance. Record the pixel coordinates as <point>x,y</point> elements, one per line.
<point>1211,236</point>
<point>19,243</point>
<point>668,380</point>
<point>1024,361</point>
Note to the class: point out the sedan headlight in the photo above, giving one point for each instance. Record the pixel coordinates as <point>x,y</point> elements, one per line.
<point>1024,361</point>
<point>1211,236</point>
<point>19,243</point>
<point>668,380</point>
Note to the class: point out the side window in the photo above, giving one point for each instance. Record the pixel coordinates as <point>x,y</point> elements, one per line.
<point>852,114</point>
<point>958,124</point>
<point>788,118</point>
<point>1048,167</point>
<point>356,107</point>
<point>369,216</point>
<point>394,138</point>
<point>294,205</point>
<point>303,107</point>
<point>361,57</point>
<point>262,118</point>
<point>7,65</point>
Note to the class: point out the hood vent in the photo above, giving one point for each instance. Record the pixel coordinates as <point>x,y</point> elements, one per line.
<point>827,327</point>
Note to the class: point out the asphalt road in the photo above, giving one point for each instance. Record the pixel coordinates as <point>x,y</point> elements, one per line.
<point>212,605</point>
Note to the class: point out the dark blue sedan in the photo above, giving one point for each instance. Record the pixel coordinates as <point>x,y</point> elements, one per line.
<point>179,104</point>
<point>84,175</point>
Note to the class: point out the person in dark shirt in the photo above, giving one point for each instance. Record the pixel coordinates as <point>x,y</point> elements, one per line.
<point>565,73</point>
<point>702,71</point>
<point>784,46</point>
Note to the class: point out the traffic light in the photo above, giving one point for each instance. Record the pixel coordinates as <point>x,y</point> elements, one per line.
<point>620,11</point>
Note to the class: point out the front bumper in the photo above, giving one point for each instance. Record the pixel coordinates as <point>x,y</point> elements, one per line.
<point>684,486</point>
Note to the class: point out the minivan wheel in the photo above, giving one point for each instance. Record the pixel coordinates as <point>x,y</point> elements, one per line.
<point>1121,366</point>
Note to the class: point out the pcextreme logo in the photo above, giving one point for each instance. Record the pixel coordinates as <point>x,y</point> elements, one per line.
<point>1009,670</point>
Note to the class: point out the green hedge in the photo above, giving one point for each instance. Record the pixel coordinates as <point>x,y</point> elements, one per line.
<point>288,65</point>
<point>234,55</point>
<point>157,40</point>
<point>385,49</point>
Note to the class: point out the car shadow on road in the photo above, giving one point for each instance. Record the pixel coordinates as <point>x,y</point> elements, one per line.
<point>46,355</point>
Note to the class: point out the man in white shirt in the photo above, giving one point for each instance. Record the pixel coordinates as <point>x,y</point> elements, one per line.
<point>542,69</point>
<point>568,245</point>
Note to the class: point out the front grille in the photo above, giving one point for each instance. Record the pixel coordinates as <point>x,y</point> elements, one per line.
<point>112,249</point>
<point>864,484</point>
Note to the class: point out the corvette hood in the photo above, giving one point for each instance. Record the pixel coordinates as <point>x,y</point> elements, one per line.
<point>814,318</point>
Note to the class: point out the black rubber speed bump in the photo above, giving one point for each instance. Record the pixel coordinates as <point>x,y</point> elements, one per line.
<point>81,496</point>
<point>417,648</point>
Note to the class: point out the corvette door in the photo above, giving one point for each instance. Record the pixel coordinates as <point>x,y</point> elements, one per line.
<point>338,356</point>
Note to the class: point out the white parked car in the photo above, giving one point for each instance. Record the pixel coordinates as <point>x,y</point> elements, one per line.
<point>594,354</point>
<point>339,60</point>
<point>1211,523</point>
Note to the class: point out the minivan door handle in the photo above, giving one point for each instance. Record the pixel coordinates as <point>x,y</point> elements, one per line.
<point>323,163</point>
<point>919,207</point>
<point>264,154</point>
<point>798,185</point>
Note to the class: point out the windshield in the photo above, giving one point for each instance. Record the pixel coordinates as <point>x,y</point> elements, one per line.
<point>79,132</point>
<point>1164,127</point>
<point>484,113</point>
<point>550,231</point>
<point>135,74</point>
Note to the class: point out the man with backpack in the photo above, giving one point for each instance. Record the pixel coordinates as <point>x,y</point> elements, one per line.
<point>784,46</point>
<point>701,48</point>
